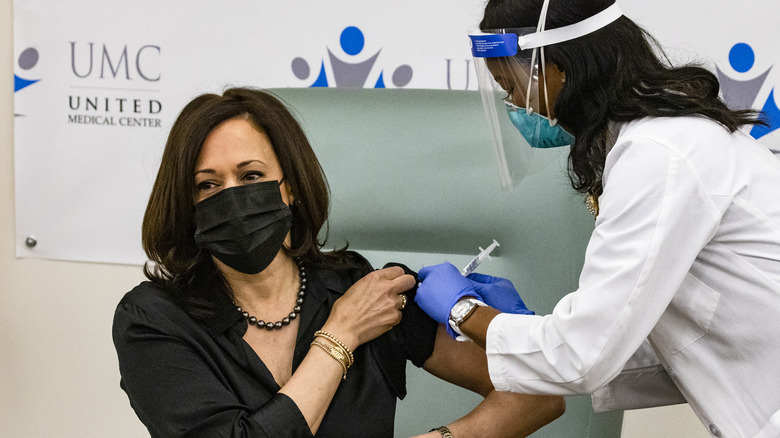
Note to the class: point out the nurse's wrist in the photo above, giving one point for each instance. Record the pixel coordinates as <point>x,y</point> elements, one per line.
<point>475,327</point>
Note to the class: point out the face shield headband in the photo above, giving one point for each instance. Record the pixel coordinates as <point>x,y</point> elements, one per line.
<point>510,64</point>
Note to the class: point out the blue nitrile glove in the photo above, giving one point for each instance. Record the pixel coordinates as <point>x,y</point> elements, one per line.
<point>499,293</point>
<point>442,286</point>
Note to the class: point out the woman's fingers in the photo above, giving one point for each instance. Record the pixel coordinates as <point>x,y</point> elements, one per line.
<point>402,283</point>
<point>389,273</point>
<point>399,281</point>
<point>373,304</point>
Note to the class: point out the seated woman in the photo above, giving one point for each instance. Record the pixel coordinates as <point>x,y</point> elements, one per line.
<point>248,328</point>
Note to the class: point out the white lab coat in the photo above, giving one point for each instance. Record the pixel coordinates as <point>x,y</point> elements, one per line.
<point>684,262</point>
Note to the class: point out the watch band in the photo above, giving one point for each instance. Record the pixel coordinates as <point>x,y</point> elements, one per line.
<point>443,430</point>
<point>455,327</point>
<point>474,302</point>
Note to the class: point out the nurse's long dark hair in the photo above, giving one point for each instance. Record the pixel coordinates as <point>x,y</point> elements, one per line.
<point>618,73</point>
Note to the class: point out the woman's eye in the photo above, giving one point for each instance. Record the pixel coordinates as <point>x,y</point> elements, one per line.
<point>252,176</point>
<point>205,185</point>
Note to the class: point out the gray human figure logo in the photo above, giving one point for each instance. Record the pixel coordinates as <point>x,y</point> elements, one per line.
<point>743,93</point>
<point>27,60</point>
<point>737,93</point>
<point>351,74</point>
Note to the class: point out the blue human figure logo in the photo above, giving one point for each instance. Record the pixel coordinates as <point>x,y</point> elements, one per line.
<point>742,94</point>
<point>27,60</point>
<point>350,74</point>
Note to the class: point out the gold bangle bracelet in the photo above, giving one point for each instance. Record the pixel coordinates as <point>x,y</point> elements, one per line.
<point>335,340</point>
<point>338,348</point>
<point>336,354</point>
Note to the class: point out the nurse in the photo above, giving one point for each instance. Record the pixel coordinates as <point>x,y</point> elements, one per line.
<point>679,295</point>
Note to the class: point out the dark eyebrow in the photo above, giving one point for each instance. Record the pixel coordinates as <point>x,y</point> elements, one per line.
<point>239,166</point>
<point>248,162</point>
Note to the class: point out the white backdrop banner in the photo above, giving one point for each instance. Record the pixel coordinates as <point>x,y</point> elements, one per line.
<point>98,83</point>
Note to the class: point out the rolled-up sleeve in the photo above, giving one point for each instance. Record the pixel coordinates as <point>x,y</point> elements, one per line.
<point>655,218</point>
<point>176,389</point>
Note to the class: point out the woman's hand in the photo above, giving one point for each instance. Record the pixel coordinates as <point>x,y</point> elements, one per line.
<point>370,307</point>
<point>366,310</point>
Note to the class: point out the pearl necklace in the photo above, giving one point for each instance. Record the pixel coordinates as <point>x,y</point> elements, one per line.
<point>259,323</point>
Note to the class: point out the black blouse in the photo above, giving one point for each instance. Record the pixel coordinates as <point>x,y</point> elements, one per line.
<point>188,377</point>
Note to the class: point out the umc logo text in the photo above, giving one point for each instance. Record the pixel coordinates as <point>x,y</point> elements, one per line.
<point>122,62</point>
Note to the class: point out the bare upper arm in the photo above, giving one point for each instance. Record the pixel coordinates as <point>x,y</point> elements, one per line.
<point>460,363</point>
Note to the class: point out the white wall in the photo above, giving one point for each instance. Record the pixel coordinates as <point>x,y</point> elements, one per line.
<point>58,370</point>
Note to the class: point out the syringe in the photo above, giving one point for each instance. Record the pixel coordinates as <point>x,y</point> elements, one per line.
<point>483,254</point>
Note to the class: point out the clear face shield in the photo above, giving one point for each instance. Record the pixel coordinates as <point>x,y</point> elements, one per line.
<point>512,86</point>
<point>513,82</point>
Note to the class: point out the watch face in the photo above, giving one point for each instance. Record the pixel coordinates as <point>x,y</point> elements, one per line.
<point>460,309</point>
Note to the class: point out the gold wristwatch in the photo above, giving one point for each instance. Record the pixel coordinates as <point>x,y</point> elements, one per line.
<point>443,430</point>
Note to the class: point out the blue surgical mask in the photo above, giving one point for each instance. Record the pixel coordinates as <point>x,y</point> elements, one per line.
<point>538,130</point>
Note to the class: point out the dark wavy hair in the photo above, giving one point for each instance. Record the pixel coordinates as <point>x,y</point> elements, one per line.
<point>168,230</point>
<point>618,73</point>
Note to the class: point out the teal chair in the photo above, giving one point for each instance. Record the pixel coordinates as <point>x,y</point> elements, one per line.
<point>414,180</point>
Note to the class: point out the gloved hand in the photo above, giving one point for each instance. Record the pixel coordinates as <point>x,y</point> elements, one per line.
<point>498,293</point>
<point>442,286</point>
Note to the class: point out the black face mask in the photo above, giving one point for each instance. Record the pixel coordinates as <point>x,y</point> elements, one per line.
<point>244,226</point>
